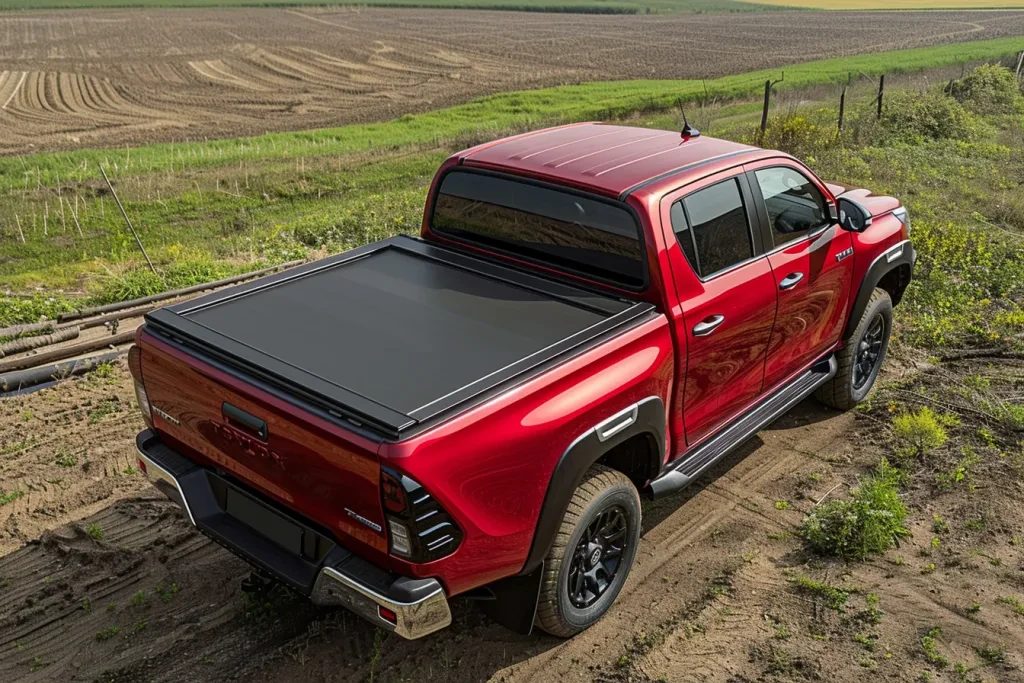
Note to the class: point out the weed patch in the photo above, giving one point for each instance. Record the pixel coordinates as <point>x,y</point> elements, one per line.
<point>869,522</point>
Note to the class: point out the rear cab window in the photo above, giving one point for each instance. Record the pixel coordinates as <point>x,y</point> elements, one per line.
<point>584,234</point>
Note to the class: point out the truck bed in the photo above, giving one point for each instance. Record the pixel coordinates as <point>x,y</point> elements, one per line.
<point>394,334</point>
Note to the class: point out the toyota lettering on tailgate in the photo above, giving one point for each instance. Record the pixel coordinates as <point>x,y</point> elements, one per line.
<point>234,441</point>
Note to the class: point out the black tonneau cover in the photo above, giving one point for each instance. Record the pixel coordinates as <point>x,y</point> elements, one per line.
<point>395,333</point>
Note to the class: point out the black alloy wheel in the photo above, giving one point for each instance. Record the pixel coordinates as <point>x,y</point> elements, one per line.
<point>869,351</point>
<point>597,557</point>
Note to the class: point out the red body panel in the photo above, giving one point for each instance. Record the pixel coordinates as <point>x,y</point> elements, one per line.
<point>318,459</point>
<point>490,466</point>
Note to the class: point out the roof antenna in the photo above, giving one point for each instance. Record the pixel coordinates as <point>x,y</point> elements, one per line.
<point>688,130</point>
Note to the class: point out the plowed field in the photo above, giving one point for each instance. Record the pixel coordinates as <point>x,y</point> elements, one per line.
<point>115,77</point>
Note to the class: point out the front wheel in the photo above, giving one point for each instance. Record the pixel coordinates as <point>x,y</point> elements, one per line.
<point>860,360</point>
<point>592,553</point>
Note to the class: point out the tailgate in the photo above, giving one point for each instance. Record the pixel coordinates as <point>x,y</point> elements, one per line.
<point>313,467</point>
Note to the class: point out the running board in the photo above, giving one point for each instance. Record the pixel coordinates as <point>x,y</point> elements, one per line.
<point>707,454</point>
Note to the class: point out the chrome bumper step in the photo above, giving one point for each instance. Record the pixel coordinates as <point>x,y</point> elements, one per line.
<point>314,565</point>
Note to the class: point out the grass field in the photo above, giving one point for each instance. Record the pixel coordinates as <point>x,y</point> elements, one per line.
<point>209,208</point>
<point>892,4</point>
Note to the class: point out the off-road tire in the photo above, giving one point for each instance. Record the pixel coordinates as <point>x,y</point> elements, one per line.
<point>602,488</point>
<point>839,392</point>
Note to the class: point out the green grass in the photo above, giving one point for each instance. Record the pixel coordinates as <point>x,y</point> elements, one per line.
<point>209,209</point>
<point>574,6</point>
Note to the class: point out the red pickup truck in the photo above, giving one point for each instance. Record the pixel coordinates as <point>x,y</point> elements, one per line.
<point>592,313</point>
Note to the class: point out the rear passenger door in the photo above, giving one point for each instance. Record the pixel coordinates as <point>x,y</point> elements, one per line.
<point>727,298</point>
<point>810,259</point>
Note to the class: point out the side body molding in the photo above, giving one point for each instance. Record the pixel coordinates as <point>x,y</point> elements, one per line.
<point>646,417</point>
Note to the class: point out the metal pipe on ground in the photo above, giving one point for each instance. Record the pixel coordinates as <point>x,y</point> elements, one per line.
<point>110,317</point>
<point>67,352</point>
<point>121,305</point>
<point>16,381</point>
<point>29,343</point>
<point>33,328</point>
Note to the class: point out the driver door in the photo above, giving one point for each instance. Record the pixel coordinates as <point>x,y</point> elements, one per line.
<point>810,258</point>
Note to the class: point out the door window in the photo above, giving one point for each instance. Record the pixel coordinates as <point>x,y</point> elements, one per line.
<point>795,205</point>
<point>712,229</point>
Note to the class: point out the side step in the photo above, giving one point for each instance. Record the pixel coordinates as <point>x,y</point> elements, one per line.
<point>681,474</point>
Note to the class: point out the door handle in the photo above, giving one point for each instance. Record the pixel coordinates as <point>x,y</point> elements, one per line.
<point>708,325</point>
<point>789,282</point>
<point>238,418</point>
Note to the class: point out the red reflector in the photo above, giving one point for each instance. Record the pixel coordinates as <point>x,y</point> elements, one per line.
<point>135,363</point>
<point>392,493</point>
<point>142,465</point>
<point>387,615</point>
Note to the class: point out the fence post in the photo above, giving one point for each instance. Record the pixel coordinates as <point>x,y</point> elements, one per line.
<point>764,111</point>
<point>842,107</point>
<point>1020,63</point>
<point>881,94</point>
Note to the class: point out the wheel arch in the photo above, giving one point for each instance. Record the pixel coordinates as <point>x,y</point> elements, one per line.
<point>635,450</point>
<point>890,271</point>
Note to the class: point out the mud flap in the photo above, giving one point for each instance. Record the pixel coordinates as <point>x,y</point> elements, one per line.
<point>515,601</point>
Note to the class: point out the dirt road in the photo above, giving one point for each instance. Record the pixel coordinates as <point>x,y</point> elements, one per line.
<point>104,580</point>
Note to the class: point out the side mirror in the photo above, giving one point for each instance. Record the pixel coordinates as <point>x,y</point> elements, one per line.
<point>853,216</point>
<point>833,213</point>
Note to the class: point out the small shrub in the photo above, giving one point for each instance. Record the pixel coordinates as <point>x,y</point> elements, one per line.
<point>95,531</point>
<point>959,473</point>
<point>869,522</point>
<point>871,614</point>
<point>914,117</point>
<point>929,644</point>
<point>108,633</point>
<point>988,89</point>
<point>991,654</point>
<point>797,135</point>
<point>921,432</point>
<point>1013,602</point>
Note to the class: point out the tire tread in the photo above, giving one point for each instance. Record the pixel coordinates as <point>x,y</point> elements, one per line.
<point>596,481</point>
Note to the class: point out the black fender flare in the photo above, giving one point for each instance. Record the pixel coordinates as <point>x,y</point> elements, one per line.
<point>896,256</point>
<point>645,417</point>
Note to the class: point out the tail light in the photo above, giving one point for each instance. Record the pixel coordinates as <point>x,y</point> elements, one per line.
<point>135,366</point>
<point>419,529</point>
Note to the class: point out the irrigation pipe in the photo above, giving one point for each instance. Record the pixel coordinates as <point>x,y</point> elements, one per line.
<point>67,352</point>
<point>15,331</point>
<point>15,381</point>
<point>29,343</point>
<point>122,305</point>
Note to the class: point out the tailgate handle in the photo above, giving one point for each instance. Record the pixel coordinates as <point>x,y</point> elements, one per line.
<point>245,421</point>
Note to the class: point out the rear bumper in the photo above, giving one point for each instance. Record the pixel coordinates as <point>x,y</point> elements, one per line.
<point>291,550</point>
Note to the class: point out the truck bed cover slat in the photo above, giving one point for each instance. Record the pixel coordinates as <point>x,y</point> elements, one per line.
<point>394,333</point>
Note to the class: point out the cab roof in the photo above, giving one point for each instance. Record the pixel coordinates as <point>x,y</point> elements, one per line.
<point>608,159</point>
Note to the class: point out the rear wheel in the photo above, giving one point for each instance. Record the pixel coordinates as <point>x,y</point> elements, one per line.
<point>592,553</point>
<point>860,360</point>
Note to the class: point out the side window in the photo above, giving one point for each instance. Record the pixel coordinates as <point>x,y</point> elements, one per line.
<point>717,227</point>
<point>795,205</point>
<point>683,235</point>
